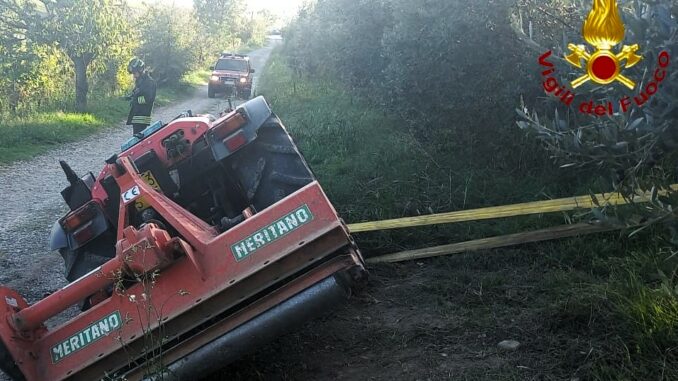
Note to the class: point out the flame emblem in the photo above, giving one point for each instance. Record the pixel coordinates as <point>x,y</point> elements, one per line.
<point>603,29</point>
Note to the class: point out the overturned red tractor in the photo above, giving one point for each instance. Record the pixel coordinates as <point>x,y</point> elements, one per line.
<point>198,242</point>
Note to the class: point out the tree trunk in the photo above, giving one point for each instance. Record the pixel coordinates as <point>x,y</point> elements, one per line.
<point>81,86</point>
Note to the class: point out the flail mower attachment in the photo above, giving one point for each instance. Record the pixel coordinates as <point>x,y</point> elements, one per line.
<point>186,288</point>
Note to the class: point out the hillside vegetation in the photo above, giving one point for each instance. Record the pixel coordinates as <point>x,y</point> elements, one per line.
<point>406,108</point>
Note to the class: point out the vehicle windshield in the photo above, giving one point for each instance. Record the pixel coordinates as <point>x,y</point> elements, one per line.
<point>232,65</point>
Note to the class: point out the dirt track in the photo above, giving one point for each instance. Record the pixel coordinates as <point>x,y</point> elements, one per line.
<point>30,201</point>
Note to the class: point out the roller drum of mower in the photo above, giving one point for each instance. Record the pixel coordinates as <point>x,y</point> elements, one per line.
<point>185,300</point>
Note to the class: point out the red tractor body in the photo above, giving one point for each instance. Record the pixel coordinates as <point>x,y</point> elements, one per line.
<point>183,288</point>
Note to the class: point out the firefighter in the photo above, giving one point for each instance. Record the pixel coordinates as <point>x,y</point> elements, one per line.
<point>142,97</point>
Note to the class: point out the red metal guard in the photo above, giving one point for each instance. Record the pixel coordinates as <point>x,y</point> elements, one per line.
<point>189,269</point>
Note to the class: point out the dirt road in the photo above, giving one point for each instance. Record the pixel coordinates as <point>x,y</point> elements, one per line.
<point>30,201</point>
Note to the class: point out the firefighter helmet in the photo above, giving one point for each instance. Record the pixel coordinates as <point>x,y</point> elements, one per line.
<point>135,65</point>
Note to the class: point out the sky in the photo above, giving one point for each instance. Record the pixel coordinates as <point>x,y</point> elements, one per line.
<point>283,8</point>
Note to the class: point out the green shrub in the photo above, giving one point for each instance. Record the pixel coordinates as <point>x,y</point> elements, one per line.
<point>167,36</point>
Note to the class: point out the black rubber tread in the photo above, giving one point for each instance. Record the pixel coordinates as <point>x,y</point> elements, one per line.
<point>8,365</point>
<point>284,171</point>
<point>290,180</point>
<point>87,258</point>
<point>261,165</point>
<point>210,92</point>
<point>86,262</point>
<point>278,148</point>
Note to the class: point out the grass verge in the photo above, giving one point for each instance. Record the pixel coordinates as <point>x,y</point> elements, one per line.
<point>29,135</point>
<point>197,77</point>
<point>601,307</point>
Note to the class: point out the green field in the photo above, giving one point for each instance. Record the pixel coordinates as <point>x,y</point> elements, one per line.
<point>23,137</point>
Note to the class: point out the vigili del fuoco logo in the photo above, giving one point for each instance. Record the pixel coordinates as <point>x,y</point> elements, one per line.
<point>604,63</point>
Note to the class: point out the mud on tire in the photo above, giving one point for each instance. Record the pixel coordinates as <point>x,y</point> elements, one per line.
<point>271,168</point>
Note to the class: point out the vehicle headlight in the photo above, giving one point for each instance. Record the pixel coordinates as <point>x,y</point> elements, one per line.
<point>243,80</point>
<point>214,78</point>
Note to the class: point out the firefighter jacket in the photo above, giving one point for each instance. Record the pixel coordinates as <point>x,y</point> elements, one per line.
<point>141,101</point>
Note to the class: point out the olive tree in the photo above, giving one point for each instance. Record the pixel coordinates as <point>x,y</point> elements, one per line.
<point>167,42</point>
<point>220,23</point>
<point>81,29</point>
<point>636,147</point>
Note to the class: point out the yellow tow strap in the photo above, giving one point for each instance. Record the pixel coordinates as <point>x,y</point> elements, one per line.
<point>535,207</point>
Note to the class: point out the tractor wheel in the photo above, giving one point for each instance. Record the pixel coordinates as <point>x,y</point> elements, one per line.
<point>85,259</point>
<point>8,365</point>
<point>81,261</point>
<point>210,92</point>
<point>272,168</point>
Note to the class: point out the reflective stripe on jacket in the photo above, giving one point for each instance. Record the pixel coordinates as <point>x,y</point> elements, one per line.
<point>138,119</point>
<point>143,97</point>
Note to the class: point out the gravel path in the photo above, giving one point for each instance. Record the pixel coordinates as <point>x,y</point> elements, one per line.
<point>30,199</point>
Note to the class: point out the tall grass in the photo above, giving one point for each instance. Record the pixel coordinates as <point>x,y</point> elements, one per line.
<point>197,77</point>
<point>26,135</point>
<point>642,292</point>
<point>616,294</point>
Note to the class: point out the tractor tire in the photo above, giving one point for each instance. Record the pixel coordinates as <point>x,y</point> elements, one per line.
<point>81,261</point>
<point>85,259</point>
<point>210,92</point>
<point>8,365</point>
<point>271,168</point>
